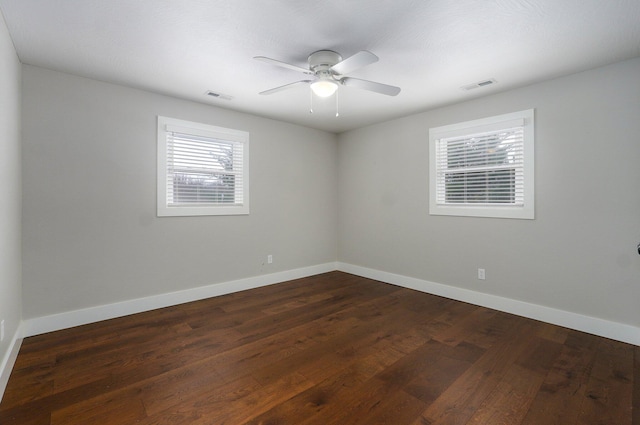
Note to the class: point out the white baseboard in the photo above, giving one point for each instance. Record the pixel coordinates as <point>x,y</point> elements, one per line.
<point>617,331</point>
<point>54,322</point>
<point>614,330</point>
<point>9,360</point>
<point>593,325</point>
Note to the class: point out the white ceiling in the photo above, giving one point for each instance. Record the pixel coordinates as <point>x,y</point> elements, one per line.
<point>429,48</point>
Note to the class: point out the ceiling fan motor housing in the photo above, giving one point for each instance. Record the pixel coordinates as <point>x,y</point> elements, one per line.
<point>321,61</point>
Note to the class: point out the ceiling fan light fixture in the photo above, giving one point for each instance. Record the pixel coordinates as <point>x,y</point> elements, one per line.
<point>324,88</point>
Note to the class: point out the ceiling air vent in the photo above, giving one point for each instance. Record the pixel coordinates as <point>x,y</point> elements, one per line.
<point>479,84</point>
<point>218,95</point>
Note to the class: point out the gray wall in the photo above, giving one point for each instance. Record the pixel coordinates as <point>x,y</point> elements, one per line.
<point>91,235</point>
<point>10,176</point>
<point>578,255</point>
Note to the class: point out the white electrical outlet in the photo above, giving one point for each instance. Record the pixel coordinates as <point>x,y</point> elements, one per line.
<point>481,274</point>
<point>2,331</point>
<point>269,259</point>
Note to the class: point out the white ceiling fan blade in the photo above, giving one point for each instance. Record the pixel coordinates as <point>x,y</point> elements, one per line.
<point>283,64</point>
<point>285,87</point>
<point>357,61</point>
<point>371,86</point>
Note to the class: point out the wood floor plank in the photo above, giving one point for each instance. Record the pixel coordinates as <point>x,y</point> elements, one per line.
<point>320,397</point>
<point>489,332</point>
<point>459,402</point>
<point>509,402</point>
<point>393,407</point>
<point>26,417</point>
<point>115,407</point>
<point>610,386</point>
<point>368,402</point>
<point>331,349</point>
<point>562,393</point>
<point>463,326</point>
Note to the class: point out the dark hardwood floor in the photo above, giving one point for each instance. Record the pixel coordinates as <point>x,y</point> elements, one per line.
<point>329,349</point>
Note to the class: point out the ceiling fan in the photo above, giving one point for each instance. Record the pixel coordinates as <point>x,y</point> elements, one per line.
<point>329,70</point>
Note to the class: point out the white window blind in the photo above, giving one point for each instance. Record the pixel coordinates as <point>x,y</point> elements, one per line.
<point>483,167</point>
<point>202,170</point>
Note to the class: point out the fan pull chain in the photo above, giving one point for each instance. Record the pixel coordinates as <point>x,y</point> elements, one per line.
<point>337,104</point>
<point>310,101</point>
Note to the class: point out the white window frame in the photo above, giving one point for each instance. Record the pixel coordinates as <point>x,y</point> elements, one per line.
<point>240,138</point>
<point>490,124</point>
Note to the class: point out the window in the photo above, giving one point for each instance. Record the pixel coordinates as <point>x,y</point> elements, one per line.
<point>483,168</point>
<point>202,169</point>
